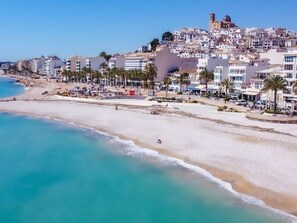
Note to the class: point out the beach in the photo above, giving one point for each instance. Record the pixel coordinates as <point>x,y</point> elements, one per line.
<point>258,159</point>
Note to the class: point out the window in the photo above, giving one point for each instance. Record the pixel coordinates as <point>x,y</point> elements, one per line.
<point>288,75</point>
<point>289,59</point>
<point>288,67</point>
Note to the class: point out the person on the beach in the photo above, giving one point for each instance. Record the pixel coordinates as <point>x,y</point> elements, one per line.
<point>159,141</point>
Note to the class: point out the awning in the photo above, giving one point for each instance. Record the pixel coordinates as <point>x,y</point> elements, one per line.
<point>251,93</point>
<point>192,87</point>
<point>200,87</point>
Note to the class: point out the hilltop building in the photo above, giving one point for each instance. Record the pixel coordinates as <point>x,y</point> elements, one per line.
<point>225,24</point>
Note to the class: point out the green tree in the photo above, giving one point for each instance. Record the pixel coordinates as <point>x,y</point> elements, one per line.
<point>105,56</point>
<point>181,80</point>
<point>167,36</point>
<point>122,76</point>
<point>85,72</point>
<point>166,82</point>
<point>227,84</point>
<point>150,73</point>
<point>275,83</point>
<point>154,43</point>
<point>206,76</point>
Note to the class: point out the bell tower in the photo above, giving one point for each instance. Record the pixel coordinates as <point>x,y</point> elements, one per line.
<point>212,21</point>
<point>212,17</point>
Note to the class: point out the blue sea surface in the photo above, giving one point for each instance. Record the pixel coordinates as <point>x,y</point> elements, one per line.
<point>9,88</point>
<point>55,172</point>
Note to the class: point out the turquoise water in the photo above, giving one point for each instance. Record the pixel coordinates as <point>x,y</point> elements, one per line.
<point>8,88</point>
<point>52,172</point>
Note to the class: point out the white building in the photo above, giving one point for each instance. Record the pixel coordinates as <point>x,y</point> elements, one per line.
<point>209,64</point>
<point>220,73</point>
<point>290,67</point>
<point>241,75</point>
<point>49,66</point>
<point>116,61</point>
<point>37,64</point>
<point>163,58</point>
<point>274,56</point>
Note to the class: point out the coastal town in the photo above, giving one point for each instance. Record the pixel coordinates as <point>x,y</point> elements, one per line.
<point>238,59</point>
<point>222,99</point>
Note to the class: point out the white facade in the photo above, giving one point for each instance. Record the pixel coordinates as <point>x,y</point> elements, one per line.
<point>242,74</point>
<point>163,58</point>
<point>220,73</point>
<point>290,67</point>
<point>274,56</point>
<point>117,61</point>
<point>209,64</point>
<point>50,65</point>
<point>36,65</point>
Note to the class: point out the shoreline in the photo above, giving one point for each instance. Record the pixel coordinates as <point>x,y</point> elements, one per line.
<point>187,135</point>
<point>219,177</point>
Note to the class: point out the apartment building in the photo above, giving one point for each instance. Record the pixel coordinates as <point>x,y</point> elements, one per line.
<point>117,61</point>
<point>240,74</point>
<point>209,64</point>
<point>50,66</point>
<point>77,63</point>
<point>290,67</point>
<point>163,58</point>
<point>37,64</point>
<point>220,73</point>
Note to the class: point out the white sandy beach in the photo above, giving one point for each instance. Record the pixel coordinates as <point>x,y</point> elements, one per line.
<point>257,158</point>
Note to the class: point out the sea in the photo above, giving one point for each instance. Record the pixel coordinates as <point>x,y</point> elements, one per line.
<point>9,88</point>
<point>52,171</point>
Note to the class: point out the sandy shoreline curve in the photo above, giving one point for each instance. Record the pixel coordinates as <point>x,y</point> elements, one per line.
<point>257,159</point>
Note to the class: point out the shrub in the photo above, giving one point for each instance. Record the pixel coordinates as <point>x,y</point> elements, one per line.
<point>220,108</point>
<point>194,101</point>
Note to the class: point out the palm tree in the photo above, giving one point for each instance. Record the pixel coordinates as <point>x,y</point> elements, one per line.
<point>275,83</point>
<point>166,82</point>
<point>206,76</point>
<point>150,73</point>
<point>227,84</point>
<point>122,75</point>
<point>181,80</point>
<point>294,87</point>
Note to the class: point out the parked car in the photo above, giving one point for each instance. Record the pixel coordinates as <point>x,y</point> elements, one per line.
<point>241,102</point>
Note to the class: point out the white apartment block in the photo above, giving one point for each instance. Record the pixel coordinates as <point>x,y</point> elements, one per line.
<point>290,67</point>
<point>117,61</point>
<point>77,63</point>
<point>37,64</point>
<point>49,66</point>
<point>209,64</point>
<point>257,80</point>
<point>162,58</point>
<point>137,61</point>
<point>242,74</point>
<point>220,73</point>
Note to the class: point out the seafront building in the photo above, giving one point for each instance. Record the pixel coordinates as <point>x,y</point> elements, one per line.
<point>117,61</point>
<point>209,64</point>
<point>52,67</point>
<point>290,67</point>
<point>163,58</point>
<point>37,64</point>
<point>77,63</point>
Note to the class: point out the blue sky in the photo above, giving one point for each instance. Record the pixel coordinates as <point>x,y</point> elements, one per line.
<point>31,28</point>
